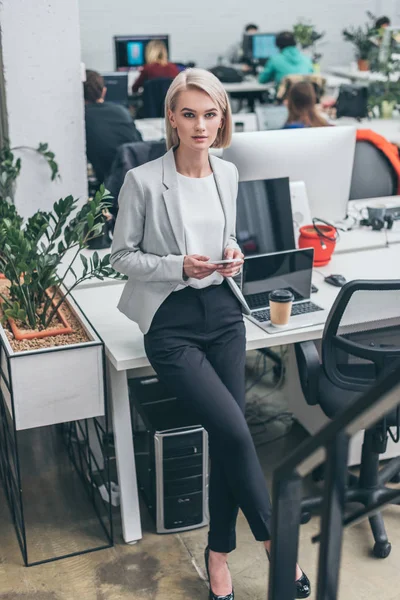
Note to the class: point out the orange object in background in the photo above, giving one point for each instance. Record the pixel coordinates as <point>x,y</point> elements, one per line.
<point>322,239</point>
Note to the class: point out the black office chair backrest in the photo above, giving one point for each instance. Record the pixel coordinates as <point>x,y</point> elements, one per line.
<point>362,334</point>
<point>129,156</point>
<point>373,176</point>
<point>154,92</point>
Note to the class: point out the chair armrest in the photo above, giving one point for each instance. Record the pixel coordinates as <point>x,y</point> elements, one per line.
<point>309,367</point>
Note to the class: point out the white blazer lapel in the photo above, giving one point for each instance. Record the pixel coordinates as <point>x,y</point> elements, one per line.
<point>172,200</point>
<point>224,195</point>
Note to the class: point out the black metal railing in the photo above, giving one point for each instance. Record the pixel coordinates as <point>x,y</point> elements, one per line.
<point>331,445</point>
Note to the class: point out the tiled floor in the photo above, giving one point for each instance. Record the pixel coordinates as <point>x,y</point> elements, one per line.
<point>168,567</point>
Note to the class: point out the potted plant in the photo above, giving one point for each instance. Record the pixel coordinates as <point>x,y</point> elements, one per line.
<point>50,355</point>
<point>307,36</point>
<point>362,38</point>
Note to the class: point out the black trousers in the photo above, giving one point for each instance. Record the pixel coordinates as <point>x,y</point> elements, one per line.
<point>196,345</point>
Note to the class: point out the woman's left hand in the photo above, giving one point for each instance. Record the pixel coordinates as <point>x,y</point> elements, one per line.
<point>231,269</point>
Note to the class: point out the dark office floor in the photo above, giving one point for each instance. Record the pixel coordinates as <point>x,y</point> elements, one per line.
<point>168,567</point>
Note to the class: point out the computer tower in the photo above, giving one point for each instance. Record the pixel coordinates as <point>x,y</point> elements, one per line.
<point>171,455</point>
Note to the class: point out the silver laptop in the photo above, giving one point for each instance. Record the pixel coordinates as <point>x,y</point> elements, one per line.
<point>291,270</point>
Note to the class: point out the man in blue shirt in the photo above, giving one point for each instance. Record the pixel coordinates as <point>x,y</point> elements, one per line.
<point>289,61</point>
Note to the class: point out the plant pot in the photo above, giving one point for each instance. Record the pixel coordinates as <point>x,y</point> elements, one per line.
<point>323,246</point>
<point>387,109</point>
<point>46,386</point>
<point>363,64</point>
<point>21,334</point>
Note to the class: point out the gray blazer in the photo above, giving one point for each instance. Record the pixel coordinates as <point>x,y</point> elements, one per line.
<point>149,239</point>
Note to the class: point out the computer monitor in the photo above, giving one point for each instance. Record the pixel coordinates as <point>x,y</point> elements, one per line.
<point>264,221</point>
<point>259,47</point>
<point>117,87</point>
<point>322,157</point>
<point>130,50</point>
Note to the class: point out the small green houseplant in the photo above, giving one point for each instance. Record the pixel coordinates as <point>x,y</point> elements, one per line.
<point>307,36</point>
<point>362,38</point>
<point>31,257</point>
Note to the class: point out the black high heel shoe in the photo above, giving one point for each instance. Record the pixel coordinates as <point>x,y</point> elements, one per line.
<point>303,585</point>
<point>211,595</point>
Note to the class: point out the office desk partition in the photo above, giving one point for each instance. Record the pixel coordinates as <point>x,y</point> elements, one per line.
<point>126,356</point>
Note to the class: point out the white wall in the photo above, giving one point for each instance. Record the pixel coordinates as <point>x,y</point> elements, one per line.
<point>202,31</point>
<point>41,53</point>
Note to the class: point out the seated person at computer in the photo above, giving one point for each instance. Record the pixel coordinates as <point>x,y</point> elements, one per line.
<point>108,126</point>
<point>302,107</point>
<point>156,66</point>
<point>235,54</point>
<point>289,61</point>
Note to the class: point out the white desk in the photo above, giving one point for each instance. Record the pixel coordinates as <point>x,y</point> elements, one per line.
<point>125,353</point>
<point>362,76</point>
<point>363,238</point>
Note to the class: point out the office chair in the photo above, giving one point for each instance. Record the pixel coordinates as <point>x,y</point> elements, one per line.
<point>154,92</point>
<point>373,173</point>
<point>317,81</point>
<point>127,157</point>
<point>353,357</point>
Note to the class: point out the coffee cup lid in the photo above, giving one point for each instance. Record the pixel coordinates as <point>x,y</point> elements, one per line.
<point>281,296</point>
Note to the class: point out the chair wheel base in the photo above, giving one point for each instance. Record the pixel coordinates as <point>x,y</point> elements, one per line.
<point>305,518</point>
<point>382,549</point>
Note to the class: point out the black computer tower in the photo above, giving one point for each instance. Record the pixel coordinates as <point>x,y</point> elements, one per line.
<point>171,454</point>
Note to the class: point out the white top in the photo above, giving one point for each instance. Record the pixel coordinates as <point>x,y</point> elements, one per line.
<point>204,223</point>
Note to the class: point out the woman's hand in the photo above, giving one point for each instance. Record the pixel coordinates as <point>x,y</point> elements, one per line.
<point>197,267</point>
<point>232,269</point>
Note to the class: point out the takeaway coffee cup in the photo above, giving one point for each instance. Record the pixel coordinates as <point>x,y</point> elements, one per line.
<point>280,307</point>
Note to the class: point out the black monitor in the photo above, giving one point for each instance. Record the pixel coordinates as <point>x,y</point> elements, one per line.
<point>117,87</point>
<point>130,50</point>
<point>259,47</point>
<point>264,221</point>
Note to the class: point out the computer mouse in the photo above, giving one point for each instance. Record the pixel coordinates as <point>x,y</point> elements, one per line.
<point>336,280</point>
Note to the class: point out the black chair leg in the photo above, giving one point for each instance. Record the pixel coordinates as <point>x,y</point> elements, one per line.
<point>382,546</point>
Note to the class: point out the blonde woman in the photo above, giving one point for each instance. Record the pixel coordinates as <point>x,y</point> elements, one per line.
<point>157,64</point>
<point>176,217</point>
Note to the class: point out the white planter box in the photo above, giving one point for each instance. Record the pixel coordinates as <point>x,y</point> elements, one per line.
<point>54,385</point>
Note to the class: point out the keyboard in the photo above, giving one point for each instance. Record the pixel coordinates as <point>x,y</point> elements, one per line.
<point>262,299</point>
<point>297,309</point>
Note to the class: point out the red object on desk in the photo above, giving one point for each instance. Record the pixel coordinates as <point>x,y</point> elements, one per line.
<point>323,245</point>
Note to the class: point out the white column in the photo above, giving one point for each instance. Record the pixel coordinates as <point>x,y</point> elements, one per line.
<point>41,55</point>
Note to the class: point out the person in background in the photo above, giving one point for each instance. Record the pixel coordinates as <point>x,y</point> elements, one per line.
<point>108,125</point>
<point>382,23</point>
<point>289,61</point>
<point>235,53</point>
<point>302,107</point>
<point>156,66</point>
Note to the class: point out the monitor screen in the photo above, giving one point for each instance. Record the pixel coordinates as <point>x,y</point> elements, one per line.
<point>282,270</point>
<point>264,221</point>
<point>264,46</point>
<point>130,50</point>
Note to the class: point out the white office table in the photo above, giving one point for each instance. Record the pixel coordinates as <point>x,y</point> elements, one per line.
<point>126,356</point>
<point>348,72</point>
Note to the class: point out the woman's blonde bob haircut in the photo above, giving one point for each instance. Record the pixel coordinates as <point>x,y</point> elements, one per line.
<point>206,82</point>
<point>156,52</point>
